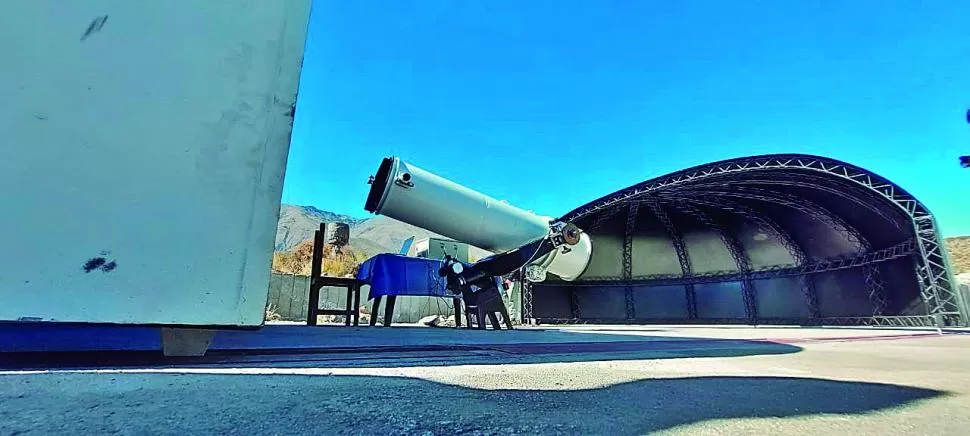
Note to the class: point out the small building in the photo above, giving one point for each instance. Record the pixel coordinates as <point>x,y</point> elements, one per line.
<point>438,248</point>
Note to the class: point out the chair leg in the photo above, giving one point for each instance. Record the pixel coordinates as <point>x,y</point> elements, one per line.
<point>313,305</point>
<point>356,311</point>
<point>350,302</point>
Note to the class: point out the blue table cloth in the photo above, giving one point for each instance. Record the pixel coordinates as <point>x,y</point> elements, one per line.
<point>394,274</point>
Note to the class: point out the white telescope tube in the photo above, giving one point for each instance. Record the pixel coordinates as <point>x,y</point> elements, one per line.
<point>407,193</point>
<point>410,194</point>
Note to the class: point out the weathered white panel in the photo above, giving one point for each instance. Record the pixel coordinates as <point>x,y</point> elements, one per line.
<point>763,247</point>
<point>607,258</point>
<point>654,253</point>
<point>607,242</point>
<point>707,252</point>
<point>149,136</point>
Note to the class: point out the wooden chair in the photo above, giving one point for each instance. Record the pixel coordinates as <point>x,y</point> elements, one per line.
<point>317,281</point>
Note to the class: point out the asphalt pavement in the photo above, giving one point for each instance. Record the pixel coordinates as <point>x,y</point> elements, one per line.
<point>582,380</point>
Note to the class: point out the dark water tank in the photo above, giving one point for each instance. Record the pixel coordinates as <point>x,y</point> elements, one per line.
<point>338,234</point>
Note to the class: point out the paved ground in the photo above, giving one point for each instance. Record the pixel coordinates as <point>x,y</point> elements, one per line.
<point>581,380</point>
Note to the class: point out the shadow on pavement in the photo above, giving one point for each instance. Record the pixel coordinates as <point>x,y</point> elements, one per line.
<point>168,403</point>
<point>421,349</point>
<point>504,354</point>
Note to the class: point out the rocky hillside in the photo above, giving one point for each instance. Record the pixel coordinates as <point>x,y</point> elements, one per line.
<point>297,224</point>
<point>386,233</point>
<point>370,236</point>
<point>959,248</point>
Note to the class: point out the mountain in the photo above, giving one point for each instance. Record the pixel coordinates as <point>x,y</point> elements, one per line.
<point>371,236</point>
<point>959,248</point>
<point>297,224</point>
<point>386,233</point>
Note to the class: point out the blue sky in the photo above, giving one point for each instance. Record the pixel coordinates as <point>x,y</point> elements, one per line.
<point>513,98</point>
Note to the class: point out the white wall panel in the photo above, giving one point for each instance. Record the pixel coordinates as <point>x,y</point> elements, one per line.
<point>151,135</point>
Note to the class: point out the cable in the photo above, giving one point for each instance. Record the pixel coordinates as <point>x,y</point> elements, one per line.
<point>538,247</point>
<point>438,284</point>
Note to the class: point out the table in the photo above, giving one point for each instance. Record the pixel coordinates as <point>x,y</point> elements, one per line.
<point>394,275</point>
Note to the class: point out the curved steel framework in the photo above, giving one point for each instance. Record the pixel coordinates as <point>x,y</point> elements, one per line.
<point>631,224</point>
<point>734,246</point>
<point>682,256</point>
<point>727,187</point>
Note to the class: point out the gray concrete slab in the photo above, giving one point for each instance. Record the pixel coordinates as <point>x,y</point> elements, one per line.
<point>294,336</point>
<point>52,337</point>
<point>837,382</point>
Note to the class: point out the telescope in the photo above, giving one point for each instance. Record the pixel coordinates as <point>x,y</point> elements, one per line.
<point>520,239</point>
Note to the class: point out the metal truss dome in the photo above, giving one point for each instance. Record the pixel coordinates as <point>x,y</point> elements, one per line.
<point>789,239</point>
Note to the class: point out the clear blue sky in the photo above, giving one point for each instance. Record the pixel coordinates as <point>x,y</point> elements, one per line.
<point>513,98</point>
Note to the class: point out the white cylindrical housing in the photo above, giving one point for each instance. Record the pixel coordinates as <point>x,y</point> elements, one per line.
<point>410,194</point>
<point>568,262</point>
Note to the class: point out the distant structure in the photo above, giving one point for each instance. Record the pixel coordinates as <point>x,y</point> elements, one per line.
<point>337,236</point>
<point>438,248</point>
<point>775,239</point>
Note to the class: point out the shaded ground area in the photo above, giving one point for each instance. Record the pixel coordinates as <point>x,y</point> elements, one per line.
<point>284,345</point>
<point>831,382</point>
<point>60,337</point>
<point>267,404</point>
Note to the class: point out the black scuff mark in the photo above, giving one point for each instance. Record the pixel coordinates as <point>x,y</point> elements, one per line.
<point>41,117</point>
<point>101,264</point>
<point>94,263</point>
<point>95,26</point>
<point>291,114</point>
<point>30,319</point>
